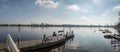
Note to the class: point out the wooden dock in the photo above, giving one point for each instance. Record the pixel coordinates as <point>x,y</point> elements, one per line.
<point>3,47</point>
<point>37,44</point>
<point>112,36</point>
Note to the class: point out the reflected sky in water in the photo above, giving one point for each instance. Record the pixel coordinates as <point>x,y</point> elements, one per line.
<point>85,40</point>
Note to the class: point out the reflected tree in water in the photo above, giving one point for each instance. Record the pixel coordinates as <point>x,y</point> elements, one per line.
<point>114,42</point>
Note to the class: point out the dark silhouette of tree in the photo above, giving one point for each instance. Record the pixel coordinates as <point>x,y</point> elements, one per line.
<point>118,25</point>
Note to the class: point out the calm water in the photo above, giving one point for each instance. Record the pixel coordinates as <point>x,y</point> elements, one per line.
<point>85,40</point>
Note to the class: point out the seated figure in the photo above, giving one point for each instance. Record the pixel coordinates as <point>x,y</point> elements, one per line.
<point>54,34</point>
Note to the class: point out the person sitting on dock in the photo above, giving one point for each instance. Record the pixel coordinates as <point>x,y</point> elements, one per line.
<point>66,34</point>
<point>54,34</point>
<point>44,38</point>
<point>72,32</point>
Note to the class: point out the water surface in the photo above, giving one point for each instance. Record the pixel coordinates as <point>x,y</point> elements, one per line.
<point>86,39</point>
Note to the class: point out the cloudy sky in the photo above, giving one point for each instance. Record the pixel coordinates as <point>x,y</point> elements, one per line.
<point>59,11</point>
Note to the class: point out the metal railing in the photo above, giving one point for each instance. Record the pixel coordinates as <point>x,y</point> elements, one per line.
<point>11,46</point>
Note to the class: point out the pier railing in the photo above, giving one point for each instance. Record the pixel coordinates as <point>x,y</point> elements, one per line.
<point>11,46</point>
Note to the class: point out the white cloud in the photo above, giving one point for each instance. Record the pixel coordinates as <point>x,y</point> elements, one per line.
<point>47,3</point>
<point>117,7</point>
<point>85,10</point>
<point>104,14</point>
<point>83,17</point>
<point>96,1</point>
<point>73,7</point>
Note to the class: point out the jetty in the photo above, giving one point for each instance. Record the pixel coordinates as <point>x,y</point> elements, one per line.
<point>113,36</point>
<point>23,46</point>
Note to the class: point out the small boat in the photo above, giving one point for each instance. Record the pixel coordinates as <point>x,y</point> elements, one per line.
<point>108,36</point>
<point>100,30</point>
<point>106,31</point>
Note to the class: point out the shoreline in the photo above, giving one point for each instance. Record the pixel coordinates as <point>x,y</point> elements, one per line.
<point>49,25</point>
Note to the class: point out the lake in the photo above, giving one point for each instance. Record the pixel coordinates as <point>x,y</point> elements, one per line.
<point>87,39</point>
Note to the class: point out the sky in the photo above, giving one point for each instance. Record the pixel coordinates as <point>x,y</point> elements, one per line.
<point>80,12</point>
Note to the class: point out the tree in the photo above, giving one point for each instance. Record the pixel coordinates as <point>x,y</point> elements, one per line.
<point>119,16</point>
<point>119,20</point>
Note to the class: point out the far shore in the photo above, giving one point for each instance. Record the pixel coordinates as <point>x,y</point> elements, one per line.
<point>51,25</point>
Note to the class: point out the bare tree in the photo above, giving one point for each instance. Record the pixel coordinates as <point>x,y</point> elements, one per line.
<point>119,16</point>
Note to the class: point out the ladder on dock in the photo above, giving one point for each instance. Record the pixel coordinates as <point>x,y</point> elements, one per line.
<point>11,46</point>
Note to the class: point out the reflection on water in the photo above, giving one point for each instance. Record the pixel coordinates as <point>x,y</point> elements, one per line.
<point>116,43</point>
<point>57,48</point>
<point>85,40</point>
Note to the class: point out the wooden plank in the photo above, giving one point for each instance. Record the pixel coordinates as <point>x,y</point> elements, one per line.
<point>3,47</point>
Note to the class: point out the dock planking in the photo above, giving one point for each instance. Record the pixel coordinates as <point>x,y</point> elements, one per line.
<point>35,44</point>
<point>112,36</point>
<point>3,47</point>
